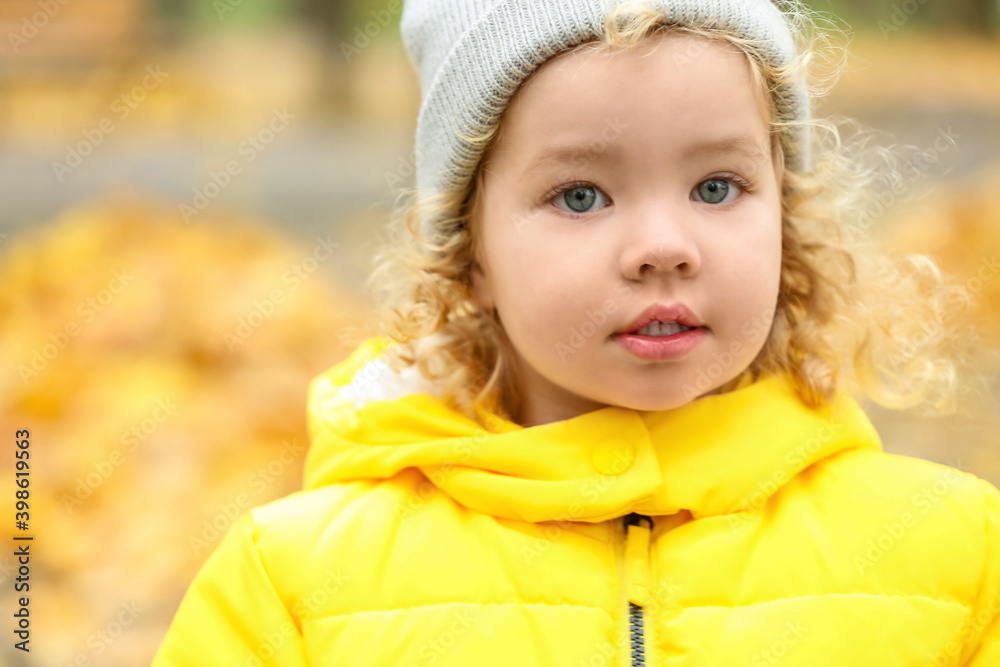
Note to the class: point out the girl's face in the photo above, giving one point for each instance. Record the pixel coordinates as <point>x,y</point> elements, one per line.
<point>620,182</point>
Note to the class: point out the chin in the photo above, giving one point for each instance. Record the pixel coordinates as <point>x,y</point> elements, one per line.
<point>667,400</point>
<point>656,404</point>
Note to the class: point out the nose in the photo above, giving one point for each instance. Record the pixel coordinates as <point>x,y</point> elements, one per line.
<point>660,243</point>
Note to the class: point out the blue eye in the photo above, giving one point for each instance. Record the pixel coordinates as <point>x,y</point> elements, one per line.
<point>718,190</point>
<point>578,197</point>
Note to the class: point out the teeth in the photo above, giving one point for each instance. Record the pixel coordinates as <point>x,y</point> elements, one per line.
<point>662,329</point>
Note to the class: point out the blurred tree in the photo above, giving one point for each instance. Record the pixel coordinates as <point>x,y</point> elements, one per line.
<point>329,17</point>
<point>972,15</point>
<point>218,14</point>
<point>977,16</point>
<point>329,20</point>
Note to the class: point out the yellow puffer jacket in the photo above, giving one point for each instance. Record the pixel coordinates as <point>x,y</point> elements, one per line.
<point>740,529</point>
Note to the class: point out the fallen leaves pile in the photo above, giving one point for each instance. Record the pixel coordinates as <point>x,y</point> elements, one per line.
<point>162,371</point>
<point>959,227</point>
<point>936,70</point>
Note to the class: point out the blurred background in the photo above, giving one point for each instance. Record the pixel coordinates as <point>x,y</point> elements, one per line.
<point>191,192</point>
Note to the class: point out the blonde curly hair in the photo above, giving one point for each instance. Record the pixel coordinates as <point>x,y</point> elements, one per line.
<point>848,315</point>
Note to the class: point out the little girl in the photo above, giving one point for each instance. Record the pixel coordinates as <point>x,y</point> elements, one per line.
<point>614,419</point>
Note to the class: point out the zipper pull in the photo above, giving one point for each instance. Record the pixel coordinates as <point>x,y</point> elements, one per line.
<point>637,558</point>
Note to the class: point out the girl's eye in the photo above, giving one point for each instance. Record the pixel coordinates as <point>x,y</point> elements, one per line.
<point>579,198</point>
<point>718,190</point>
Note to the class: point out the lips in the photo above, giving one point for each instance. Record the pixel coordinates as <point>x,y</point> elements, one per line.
<point>672,312</point>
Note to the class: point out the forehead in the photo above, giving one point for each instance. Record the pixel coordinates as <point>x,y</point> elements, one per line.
<point>678,94</point>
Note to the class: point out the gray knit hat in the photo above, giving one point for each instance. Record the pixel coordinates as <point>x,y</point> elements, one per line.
<point>472,55</point>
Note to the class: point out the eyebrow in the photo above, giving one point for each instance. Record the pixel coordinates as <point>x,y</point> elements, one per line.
<point>562,154</point>
<point>734,144</point>
<point>571,153</point>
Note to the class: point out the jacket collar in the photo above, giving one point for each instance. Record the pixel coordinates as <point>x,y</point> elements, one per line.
<point>717,455</point>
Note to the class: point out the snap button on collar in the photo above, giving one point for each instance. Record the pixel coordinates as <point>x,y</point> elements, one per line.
<point>613,457</point>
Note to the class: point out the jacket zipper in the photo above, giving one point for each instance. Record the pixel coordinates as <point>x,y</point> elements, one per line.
<point>637,581</point>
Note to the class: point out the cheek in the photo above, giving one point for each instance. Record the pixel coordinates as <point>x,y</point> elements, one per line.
<point>518,277</point>
<point>541,293</point>
<point>764,264</point>
<point>765,293</point>
<point>533,261</point>
<point>749,294</point>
